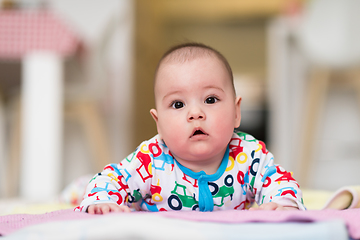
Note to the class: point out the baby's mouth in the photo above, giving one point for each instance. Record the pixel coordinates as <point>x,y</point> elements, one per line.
<point>198,132</point>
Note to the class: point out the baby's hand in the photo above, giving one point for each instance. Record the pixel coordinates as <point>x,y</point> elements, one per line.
<point>273,206</point>
<point>104,208</point>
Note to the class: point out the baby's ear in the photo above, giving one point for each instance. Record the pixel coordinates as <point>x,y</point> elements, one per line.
<point>237,111</point>
<point>153,113</point>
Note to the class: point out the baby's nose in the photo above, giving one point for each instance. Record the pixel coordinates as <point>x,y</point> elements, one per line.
<point>196,114</point>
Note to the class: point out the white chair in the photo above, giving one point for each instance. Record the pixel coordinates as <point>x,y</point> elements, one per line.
<point>80,106</point>
<point>329,36</point>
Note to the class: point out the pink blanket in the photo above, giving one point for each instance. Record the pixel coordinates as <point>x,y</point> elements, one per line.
<point>351,217</point>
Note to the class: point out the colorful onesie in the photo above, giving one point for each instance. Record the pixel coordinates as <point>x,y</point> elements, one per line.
<point>151,179</point>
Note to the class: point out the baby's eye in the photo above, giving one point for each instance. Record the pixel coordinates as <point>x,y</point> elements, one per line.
<point>211,100</point>
<point>177,104</point>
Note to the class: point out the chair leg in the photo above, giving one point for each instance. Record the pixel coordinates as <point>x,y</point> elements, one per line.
<point>316,94</point>
<point>355,79</point>
<point>86,112</point>
<point>88,115</point>
<point>14,152</point>
<point>3,157</point>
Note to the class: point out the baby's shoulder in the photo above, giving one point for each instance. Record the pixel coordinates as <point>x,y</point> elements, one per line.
<point>153,145</point>
<point>149,154</point>
<point>244,136</point>
<point>244,139</point>
<point>153,148</point>
<point>246,143</point>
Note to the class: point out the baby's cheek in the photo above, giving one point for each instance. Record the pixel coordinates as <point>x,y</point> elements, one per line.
<point>173,137</point>
<point>224,128</point>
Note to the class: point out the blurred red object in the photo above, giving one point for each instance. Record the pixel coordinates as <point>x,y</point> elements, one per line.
<point>23,31</point>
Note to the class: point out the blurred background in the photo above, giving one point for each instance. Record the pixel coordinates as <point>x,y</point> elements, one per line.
<point>295,64</point>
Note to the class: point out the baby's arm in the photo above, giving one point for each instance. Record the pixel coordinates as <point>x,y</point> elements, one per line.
<point>116,187</point>
<point>104,208</point>
<point>106,192</point>
<point>274,188</point>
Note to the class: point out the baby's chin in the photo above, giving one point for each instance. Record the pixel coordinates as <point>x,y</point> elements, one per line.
<point>200,153</point>
<point>209,163</point>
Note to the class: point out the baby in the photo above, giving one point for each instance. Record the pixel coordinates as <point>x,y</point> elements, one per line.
<point>197,161</point>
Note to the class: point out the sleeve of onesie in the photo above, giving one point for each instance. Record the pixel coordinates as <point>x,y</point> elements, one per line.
<point>270,182</point>
<point>122,183</point>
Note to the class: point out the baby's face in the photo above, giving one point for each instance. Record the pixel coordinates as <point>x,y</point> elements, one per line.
<point>196,110</point>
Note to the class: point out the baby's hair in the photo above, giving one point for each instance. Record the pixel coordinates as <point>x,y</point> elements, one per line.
<point>189,51</point>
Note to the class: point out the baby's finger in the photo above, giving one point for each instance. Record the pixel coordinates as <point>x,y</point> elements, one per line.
<point>105,209</point>
<point>124,209</point>
<point>91,209</point>
<point>114,208</point>
<point>97,209</point>
<point>280,208</point>
<point>268,206</point>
